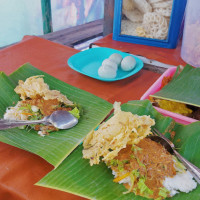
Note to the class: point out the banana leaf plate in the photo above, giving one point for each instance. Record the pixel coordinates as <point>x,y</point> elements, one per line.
<point>183,88</point>
<point>76,176</point>
<point>58,145</point>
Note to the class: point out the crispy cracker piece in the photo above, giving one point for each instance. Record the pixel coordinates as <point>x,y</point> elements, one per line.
<point>155,1</point>
<point>162,4</point>
<point>128,5</point>
<point>128,27</point>
<point>143,6</point>
<point>140,31</point>
<point>155,25</point>
<point>133,15</point>
<point>113,135</point>
<point>35,87</point>
<point>166,12</point>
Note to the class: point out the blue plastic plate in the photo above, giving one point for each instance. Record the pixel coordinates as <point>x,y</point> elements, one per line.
<point>88,62</point>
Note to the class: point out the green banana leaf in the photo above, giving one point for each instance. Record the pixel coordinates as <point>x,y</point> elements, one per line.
<point>76,176</point>
<point>58,145</point>
<point>184,88</point>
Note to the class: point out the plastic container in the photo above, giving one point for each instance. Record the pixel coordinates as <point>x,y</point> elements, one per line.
<point>155,88</point>
<point>190,50</point>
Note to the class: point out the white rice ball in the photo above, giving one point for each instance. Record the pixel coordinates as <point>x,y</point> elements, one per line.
<point>128,63</point>
<point>116,57</point>
<point>110,63</point>
<point>106,71</point>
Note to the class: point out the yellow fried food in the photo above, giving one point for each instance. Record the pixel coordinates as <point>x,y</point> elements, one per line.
<point>35,87</point>
<point>140,31</point>
<point>175,107</point>
<point>112,136</point>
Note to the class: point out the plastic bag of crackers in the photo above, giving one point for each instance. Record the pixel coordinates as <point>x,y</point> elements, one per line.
<point>146,18</point>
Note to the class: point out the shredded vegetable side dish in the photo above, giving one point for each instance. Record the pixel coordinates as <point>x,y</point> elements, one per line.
<point>38,101</point>
<point>142,165</point>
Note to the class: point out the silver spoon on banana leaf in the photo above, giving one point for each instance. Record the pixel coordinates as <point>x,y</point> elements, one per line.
<point>169,146</point>
<point>60,119</point>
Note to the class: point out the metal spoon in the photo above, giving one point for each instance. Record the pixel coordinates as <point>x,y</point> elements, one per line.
<point>61,119</point>
<point>169,146</point>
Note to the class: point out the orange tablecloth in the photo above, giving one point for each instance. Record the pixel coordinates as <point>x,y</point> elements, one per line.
<point>19,170</point>
<point>167,56</point>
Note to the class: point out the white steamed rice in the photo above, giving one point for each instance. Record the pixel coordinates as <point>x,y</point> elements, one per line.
<point>181,182</point>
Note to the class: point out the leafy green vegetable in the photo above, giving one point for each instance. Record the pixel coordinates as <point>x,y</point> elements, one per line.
<point>136,173</point>
<point>140,163</point>
<point>163,192</point>
<point>113,163</point>
<point>141,186</point>
<point>126,161</point>
<point>144,190</point>
<point>135,148</point>
<point>178,165</point>
<point>75,112</point>
<point>23,108</point>
<point>117,163</point>
<point>132,156</point>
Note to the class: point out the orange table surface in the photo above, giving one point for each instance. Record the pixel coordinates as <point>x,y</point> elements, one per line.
<point>19,169</point>
<point>167,56</point>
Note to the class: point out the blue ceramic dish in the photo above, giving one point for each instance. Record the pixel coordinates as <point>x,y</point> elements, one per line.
<point>88,62</point>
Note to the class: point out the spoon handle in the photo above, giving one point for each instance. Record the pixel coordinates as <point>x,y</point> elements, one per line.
<point>6,124</point>
<point>195,171</point>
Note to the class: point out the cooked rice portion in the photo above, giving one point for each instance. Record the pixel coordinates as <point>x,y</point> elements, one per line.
<point>15,113</point>
<point>37,102</point>
<point>181,182</point>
